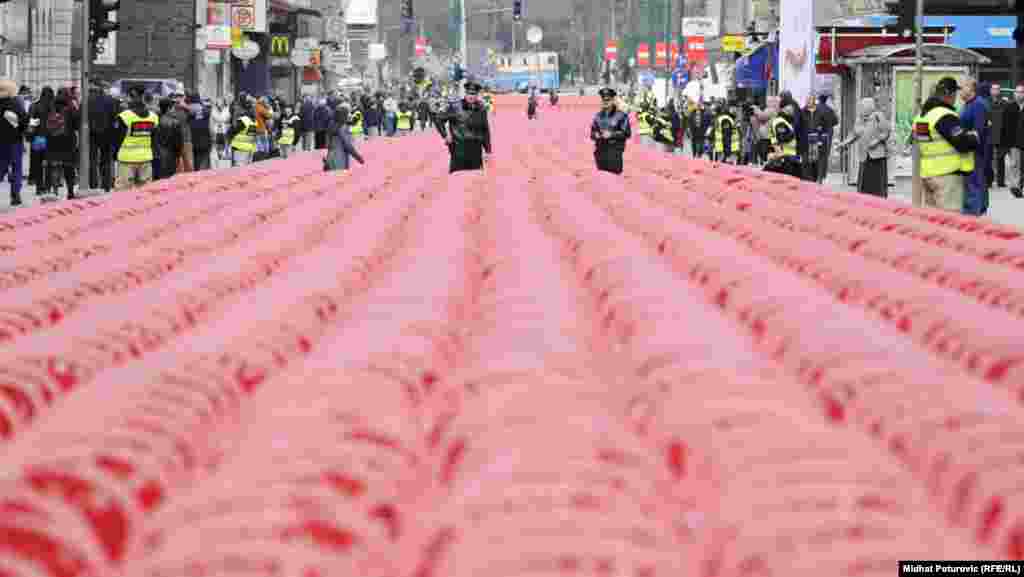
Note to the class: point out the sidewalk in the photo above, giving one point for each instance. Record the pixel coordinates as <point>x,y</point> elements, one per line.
<point>1003,208</point>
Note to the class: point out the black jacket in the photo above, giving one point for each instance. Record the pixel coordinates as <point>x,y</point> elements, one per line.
<point>12,134</point>
<point>614,121</point>
<point>466,124</point>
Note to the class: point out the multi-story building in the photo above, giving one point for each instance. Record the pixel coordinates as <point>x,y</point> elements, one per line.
<point>37,42</point>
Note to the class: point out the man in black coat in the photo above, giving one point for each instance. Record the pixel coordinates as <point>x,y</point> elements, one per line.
<point>609,131</point>
<point>1013,120</point>
<point>466,131</point>
<point>103,111</point>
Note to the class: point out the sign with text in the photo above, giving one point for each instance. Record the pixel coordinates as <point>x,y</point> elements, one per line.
<point>734,43</point>
<point>705,27</point>
<point>695,52</point>
<point>249,15</point>
<point>218,26</point>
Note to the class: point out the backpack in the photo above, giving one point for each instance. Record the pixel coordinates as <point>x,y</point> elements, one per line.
<point>55,123</point>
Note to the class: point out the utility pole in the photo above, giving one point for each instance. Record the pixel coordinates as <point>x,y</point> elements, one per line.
<point>463,35</point>
<point>917,194</point>
<point>84,166</point>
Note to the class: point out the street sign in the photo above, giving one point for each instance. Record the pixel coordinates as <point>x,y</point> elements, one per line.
<point>534,35</point>
<point>243,17</point>
<point>377,51</point>
<point>700,26</point>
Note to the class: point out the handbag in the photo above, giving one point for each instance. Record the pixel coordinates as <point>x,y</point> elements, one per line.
<point>39,143</point>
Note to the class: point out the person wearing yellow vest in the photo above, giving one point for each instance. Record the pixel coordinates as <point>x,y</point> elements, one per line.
<point>243,137</point>
<point>290,123</point>
<point>783,158</point>
<point>662,129</point>
<point>644,119</point>
<point>947,150</point>
<point>136,127</point>
<point>404,121</point>
<point>726,135</point>
<point>356,123</point>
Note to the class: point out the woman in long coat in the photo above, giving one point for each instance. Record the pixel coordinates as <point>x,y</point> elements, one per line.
<point>872,131</point>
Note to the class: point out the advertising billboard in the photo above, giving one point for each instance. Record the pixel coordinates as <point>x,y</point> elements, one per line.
<point>17,25</point>
<point>361,13</point>
<point>796,48</point>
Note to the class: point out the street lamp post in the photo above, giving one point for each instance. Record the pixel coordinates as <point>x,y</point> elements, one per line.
<point>84,166</point>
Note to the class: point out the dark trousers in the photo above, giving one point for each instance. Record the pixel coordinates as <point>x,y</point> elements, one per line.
<point>201,158</point>
<point>608,159</point>
<point>466,156</point>
<point>35,167</point>
<point>697,145</point>
<point>11,167</point>
<point>320,139</point>
<point>55,170</point>
<point>999,159</point>
<point>101,173</point>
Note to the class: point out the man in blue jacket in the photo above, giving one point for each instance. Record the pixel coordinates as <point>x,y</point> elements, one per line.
<point>975,116</point>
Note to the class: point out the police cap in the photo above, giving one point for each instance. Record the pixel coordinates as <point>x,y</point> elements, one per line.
<point>947,86</point>
<point>607,92</point>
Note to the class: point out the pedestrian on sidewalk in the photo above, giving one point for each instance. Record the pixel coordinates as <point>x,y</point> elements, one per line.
<point>13,123</point>
<point>872,133</point>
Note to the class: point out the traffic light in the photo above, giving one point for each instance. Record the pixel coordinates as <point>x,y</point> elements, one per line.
<point>517,10</point>
<point>905,12</point>
<point>100,25</point>
<point>407,9</point>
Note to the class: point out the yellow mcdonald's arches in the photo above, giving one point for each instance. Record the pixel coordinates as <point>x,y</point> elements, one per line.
<point>280,46</point>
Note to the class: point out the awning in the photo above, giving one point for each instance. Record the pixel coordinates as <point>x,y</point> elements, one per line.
<point>901,53</point>
<point>301,7</point>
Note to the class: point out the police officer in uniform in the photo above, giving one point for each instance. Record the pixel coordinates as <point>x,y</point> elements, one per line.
<point>466,130</point>
<point>136,127</point>
<point>610,130</point>
<point>947,150</point>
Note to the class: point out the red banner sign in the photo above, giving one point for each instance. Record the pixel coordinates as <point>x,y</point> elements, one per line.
<point>695,49</point>
<point>611,51</point>
<point>421,46</point>
<point>661,54</point>
<point>643,55</point>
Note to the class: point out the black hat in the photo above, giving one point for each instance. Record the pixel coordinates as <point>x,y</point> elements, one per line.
<point>472,87</point>
<point>947,86</point>
<point>608,92</point>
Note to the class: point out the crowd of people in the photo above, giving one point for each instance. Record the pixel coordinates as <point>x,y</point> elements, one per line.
<point>139,137</point>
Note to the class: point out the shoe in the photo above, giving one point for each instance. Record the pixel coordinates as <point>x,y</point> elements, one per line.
<point>1016,193</point>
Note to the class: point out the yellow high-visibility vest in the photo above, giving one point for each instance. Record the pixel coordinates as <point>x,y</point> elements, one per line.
<point>137,146</point>
<point>245,141</point>
<point>404,120</point>
<point>734,145</point>
<point>357,123</point>
<point>643,125</point>
<point>938,157</point>
<point>789,148</point>
<point>288,132</point>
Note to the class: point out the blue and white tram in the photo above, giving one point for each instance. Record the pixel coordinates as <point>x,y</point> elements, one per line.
<point>517,70</point>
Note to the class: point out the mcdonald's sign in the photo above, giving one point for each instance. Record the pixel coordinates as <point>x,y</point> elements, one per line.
<point>280,46</point>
